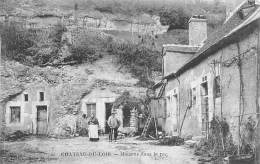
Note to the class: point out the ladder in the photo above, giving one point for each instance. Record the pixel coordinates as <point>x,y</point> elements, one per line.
<point>146,126</point>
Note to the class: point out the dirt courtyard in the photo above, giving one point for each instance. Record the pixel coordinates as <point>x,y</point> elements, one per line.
<point>80,150</point>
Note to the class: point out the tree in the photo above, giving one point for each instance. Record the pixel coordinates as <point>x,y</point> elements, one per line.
<point>139,59</point>
<point>175,17</point>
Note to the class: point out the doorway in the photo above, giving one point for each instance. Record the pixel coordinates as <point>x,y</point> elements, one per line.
<point>42,120</point>
<point>172,114</point>
<point>126,116</point>
<point>204,108</point>
<point>108,113</point>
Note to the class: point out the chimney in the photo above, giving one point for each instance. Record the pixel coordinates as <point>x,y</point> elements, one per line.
<point>197,30</point>
<point>0,46</point>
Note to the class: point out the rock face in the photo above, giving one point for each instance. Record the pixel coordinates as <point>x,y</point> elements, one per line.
<point>9,88</point>
<point>65,126</point>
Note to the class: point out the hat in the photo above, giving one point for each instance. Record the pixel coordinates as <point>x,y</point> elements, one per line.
<point>113,112</point>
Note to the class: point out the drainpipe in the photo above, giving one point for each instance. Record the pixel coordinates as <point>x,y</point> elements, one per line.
<point>257,161</point>
<point>178,108</point>
<point>162,55</point>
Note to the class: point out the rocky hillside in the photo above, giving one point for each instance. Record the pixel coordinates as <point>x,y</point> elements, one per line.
<point>68,84</point>
<point>102,73</point>
<point>73,63</point>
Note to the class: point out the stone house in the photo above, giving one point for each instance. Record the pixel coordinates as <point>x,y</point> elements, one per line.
<point>213,76</point>
<point>93,19</point>
<point>90,21</point>
<point>67,20</point>
<point>100,103</point>
<point>43,21</point>
<point>28,111</point>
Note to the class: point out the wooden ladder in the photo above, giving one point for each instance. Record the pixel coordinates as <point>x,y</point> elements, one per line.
<point>146,126</point>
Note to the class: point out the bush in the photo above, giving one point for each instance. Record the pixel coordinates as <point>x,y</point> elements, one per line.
<point>176,18</point>
<point>126,99</point>
<point>88,46</point>
<point>16,40</point>
<point>175,14</point>
<point>174,141</point>
<point>83,54</point>
<point>140,59</point>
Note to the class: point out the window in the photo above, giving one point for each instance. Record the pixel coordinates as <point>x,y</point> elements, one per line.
<point>217,87</point>
<point>15,114</point>
<point>91,108</point>
<point>26,97</point>
<point>204,89</point>
<point>41,96</point>
<point>204,79</point>
<point>194,98</point>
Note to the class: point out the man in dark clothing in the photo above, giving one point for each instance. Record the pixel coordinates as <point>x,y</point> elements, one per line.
<point>114,124</point>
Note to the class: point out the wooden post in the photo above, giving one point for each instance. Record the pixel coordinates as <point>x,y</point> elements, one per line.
<point>257,161</point>
<point>155,124</point>
<point>221,87</point>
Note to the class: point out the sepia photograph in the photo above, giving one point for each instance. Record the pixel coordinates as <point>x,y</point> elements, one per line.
<point>129,81</point>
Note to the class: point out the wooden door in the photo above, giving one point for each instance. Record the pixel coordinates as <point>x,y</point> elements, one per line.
<point>108,113</point>
<point>42,122</point>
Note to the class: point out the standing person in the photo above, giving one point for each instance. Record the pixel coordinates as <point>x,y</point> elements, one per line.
<point>93,128</point>
<point>114,124</point>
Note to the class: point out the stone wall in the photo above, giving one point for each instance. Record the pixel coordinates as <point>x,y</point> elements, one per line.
<point>88,23</point>
<point>66,125</point>
<point>134,119</point>
<point>177,58</point>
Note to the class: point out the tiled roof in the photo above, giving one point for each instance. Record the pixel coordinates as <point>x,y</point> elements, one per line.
<point>224,32</point>
<point>220,33</point>
<point>9,89</point>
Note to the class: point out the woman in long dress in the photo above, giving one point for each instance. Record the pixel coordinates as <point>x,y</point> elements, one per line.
<point>93,128</point>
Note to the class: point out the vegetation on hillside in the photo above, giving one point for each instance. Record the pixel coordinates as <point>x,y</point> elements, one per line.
<point>88,46</point>
<point>140,59</point>
<point>31,47</point>
<point>45,46</point>
<point>173,13</point>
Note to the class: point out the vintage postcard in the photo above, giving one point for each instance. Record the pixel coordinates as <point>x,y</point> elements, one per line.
<point>130,81</point>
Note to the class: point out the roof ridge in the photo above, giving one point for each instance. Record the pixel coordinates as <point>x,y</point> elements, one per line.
<point>247,21</point>
<point>181,45</point>
<point>235,10</point>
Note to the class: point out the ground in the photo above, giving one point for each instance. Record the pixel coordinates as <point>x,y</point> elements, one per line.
<point>67,151</point>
